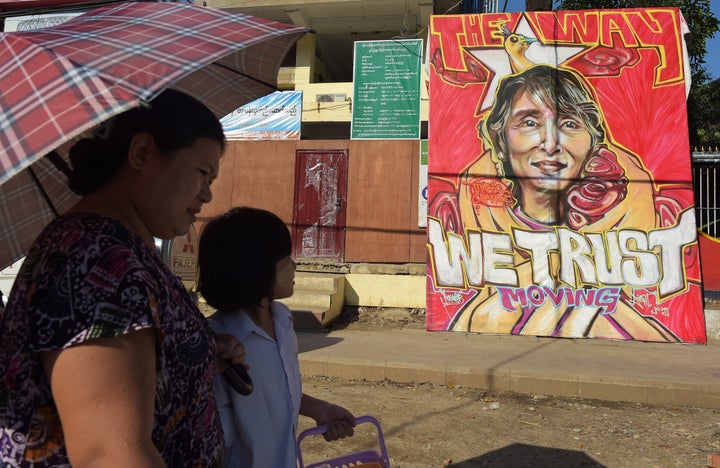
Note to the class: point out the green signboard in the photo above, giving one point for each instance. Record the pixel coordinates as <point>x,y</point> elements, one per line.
<point>386,90</point>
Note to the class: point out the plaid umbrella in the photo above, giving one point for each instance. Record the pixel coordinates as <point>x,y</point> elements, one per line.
<point>58,83</point>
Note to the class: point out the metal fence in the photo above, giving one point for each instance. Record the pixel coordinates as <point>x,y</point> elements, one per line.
<point>705,180</point>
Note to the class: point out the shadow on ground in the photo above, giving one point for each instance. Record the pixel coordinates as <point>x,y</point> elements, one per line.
<point>310,341</point>
<point>522,456</point>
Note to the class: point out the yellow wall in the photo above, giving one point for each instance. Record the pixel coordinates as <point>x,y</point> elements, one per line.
<point>407,291</point>
<point>308,68</point>
<point>314,111</point>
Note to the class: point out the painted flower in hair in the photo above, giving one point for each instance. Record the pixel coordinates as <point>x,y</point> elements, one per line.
<point>600,190</point>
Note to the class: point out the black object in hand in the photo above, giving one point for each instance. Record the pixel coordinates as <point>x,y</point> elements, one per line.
<point>238,378</point>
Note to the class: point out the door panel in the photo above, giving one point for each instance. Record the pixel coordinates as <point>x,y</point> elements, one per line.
<point>320,198</point>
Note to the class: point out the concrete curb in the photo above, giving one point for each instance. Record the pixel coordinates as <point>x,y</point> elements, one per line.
<point>651,373</point>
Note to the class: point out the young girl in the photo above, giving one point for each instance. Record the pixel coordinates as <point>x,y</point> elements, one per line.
<point>244,266</point>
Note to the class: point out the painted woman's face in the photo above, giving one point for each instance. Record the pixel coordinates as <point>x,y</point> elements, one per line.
<point>547,150</point>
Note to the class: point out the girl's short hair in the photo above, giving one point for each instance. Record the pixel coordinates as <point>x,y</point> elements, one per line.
<point>237,257</point>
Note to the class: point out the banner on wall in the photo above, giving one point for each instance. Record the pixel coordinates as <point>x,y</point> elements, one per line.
<point>276,116</point>
<point>33,22</point>
<point>560,197</point>
<point>46,20</point>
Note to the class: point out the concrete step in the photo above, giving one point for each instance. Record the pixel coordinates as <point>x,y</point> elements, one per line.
<point>308,298</point>
<point>318,299</point>
<point>317,281</point>
<point>312,318</point>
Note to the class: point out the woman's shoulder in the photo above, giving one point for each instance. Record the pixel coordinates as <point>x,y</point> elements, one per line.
<point>85,231</point>
<point>71,225</point>
<point>80,241</point>
<point>90,265</point>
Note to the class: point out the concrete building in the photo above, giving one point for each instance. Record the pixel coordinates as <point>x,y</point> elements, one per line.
<point>377,233</point>
<point>367,219</point>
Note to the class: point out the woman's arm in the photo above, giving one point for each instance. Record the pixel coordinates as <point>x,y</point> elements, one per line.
<point>340,420</point>
<point>104,390</point>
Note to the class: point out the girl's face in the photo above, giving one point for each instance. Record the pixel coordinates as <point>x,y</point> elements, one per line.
<point>284,278</point>
<point>176,186</point>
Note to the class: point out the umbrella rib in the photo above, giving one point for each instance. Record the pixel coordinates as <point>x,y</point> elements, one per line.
<point>59,163</point>
<point>42,191</point>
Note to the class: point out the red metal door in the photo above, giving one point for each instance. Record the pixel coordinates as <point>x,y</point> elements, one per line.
<point>320,198</point>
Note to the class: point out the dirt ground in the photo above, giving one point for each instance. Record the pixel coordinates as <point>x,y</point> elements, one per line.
<point>427,425</point>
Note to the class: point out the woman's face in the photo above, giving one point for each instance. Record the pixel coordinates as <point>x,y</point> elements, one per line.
<point>177,186</point>
<point>284,278</point>
<point>547,150</point>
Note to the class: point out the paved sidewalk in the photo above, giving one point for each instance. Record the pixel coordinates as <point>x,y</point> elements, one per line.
<point>655,373</point>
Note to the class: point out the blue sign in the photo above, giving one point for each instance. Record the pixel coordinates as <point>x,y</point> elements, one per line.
<point>276,116</point>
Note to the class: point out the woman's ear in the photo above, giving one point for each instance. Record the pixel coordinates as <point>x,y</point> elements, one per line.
<point>142,145</point>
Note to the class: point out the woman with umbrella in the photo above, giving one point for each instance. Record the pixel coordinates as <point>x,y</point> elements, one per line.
<point>105,358</point>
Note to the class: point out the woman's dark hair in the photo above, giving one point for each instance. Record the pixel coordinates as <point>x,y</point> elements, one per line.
<point>237,257</point>
<point>174,119</point>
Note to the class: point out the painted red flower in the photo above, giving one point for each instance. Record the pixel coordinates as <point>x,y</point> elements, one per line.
<point>444,206</point>
<point>603,186</point>
<point>606,61</point>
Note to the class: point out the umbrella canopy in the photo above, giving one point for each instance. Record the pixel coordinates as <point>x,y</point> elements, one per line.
<point>58,83</point>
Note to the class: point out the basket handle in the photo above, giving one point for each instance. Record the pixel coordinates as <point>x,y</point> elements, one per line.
<point>322,429</point>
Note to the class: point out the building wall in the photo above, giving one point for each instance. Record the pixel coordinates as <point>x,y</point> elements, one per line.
<point>382,204</point>
<point>254,173</point>
<point>382,200</point>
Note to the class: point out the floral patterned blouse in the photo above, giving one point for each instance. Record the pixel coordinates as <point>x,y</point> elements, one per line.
<point>87,277</point>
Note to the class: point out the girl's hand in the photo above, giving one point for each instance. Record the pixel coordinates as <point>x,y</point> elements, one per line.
<point>341,422</point>
<point>229,348</point>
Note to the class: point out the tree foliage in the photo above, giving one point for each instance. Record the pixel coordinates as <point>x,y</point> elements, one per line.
<point>704,99</point>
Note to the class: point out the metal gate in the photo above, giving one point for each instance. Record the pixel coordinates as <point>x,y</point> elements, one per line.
<point>705,182</point>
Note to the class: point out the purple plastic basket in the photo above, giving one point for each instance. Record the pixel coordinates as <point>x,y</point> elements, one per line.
<point>350,460</point>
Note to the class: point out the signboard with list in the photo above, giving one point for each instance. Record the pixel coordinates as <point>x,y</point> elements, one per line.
<point>387,90</point>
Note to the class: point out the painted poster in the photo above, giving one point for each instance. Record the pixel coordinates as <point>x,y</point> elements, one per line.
<point>560,187</point>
